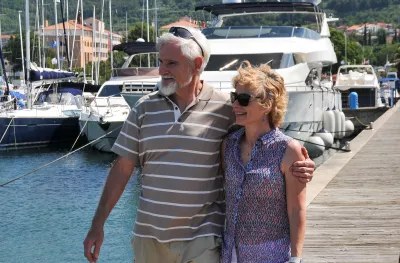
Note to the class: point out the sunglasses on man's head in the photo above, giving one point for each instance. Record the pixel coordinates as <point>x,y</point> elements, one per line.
<point>243,98</point>
<point>184,33</point>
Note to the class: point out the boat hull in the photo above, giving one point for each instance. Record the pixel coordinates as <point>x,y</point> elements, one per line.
<point>17,133</point>
<point>305,111</point>
<point>94,130</point>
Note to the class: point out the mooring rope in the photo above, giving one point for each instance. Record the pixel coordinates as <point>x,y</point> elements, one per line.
<point>4,134</point>
<point>58,159</point>
<point>73,145</point>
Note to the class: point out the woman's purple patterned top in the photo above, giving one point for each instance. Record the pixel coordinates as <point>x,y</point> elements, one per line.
<point>257,223</point>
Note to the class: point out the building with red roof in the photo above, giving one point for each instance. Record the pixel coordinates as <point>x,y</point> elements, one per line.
<point>95,43</point>
<point>185,21</point>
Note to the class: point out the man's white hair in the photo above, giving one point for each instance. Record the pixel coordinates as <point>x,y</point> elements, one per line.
<point>190,49</point>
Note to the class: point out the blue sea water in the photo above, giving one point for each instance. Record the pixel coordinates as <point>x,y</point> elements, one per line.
<point>45,216</point>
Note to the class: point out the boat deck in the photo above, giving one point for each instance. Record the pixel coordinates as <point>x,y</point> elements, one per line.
<point>353,212</point>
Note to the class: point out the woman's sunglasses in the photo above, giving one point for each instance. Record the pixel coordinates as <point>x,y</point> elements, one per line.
<point>243,98</point>
<point>184,33</point>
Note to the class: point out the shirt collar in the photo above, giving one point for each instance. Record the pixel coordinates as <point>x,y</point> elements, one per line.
<point>265,139</point>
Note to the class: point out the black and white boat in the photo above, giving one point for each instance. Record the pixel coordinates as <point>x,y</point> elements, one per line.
<point>111,106</point>
<point>53,118</point>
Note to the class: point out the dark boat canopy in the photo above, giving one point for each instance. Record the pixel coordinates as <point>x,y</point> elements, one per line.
<point>132,48</point>
<point>257,7</point>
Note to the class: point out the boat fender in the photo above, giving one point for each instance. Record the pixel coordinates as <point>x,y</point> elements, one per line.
<point>342,124</point>
<point>329,121</point>
<point>326,136</point>
<point>348,127</point>
<point>315,146</point>
<point>338,124</point>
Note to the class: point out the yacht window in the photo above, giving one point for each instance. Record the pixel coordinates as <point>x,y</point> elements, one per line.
<point>288,61</point>
<point>111,90</point>
<point>217,62</point>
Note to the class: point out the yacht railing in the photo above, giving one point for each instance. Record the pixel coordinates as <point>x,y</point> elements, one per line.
<point>138,87</point>
<point>259,32</point>
<point>226,86</point>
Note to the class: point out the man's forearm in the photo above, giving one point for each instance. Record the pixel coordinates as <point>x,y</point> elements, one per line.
<point>116,182</point>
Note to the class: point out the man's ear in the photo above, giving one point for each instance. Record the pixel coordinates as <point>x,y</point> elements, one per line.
<point>198,62</point>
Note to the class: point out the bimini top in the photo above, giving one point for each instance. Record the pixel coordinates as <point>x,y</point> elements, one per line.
<point>132,48</point>
<point>259,7</point>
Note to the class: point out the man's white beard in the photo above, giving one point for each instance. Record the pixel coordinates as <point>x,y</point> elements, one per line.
<point>171,88</point>
<point>168,89</point>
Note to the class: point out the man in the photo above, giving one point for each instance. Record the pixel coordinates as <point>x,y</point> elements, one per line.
<point>175,135</point>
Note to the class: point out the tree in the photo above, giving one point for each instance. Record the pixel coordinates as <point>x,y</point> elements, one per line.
<point>386,52</point>
<point>136,32</point>
<point>381,34</point>
<point>337,38</point>
<point>369,39</point>
<point>12,52</point>
<point>365,35</point>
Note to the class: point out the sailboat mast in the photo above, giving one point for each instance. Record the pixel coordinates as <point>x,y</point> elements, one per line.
<point>68,32</point>
<point>28,53</point>
<point>57,38</point>
<point>111,40</point>
<point>126,27</point>
<point>37,20</point>
<point>22,45</point>
<point>1,41</point>
<point>82,45</point>
<point>94,43</point>
<point>148,30</point>
<point>44,54</point>
<point>99,53</point>
<point>65,33</point>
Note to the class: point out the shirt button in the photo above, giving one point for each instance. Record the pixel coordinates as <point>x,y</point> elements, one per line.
<point>176,108</point>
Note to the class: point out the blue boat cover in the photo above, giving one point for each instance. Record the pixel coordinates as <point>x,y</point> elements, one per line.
<point>43,74</point>
<point>17,95</point>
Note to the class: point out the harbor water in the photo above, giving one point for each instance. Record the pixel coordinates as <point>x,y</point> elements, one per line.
<point>45,216</point>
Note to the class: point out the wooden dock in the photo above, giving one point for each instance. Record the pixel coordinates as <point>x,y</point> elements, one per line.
<point>353,212</point>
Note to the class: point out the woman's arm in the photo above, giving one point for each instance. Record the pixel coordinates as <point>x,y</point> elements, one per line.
<point>295,198</point>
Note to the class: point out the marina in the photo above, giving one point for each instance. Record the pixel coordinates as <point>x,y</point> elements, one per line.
<point>57,126</point>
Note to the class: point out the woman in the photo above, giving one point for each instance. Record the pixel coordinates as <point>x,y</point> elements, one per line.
<point>265,205</point>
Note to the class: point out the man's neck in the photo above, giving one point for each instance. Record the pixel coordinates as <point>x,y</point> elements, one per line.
<point>185,95</point>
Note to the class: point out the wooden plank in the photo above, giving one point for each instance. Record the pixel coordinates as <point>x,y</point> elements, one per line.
<point>356,218</point>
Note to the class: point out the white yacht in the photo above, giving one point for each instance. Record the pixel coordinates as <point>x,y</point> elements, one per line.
<point>362,80</point>
<point>108,111</point>
<point>296,52</point>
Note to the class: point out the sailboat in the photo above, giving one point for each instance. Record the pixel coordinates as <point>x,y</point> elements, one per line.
<point>109,110</point>
<point>52,110</point>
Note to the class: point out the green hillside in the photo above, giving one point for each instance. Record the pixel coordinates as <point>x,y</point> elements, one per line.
<point>349,11</point>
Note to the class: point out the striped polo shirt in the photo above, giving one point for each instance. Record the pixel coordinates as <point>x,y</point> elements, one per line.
<point>182,194</point>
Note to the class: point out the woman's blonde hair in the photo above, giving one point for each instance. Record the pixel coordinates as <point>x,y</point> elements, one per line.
<point>268,86</point>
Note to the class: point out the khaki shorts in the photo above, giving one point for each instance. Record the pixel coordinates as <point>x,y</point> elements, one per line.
<point>199,250</point>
